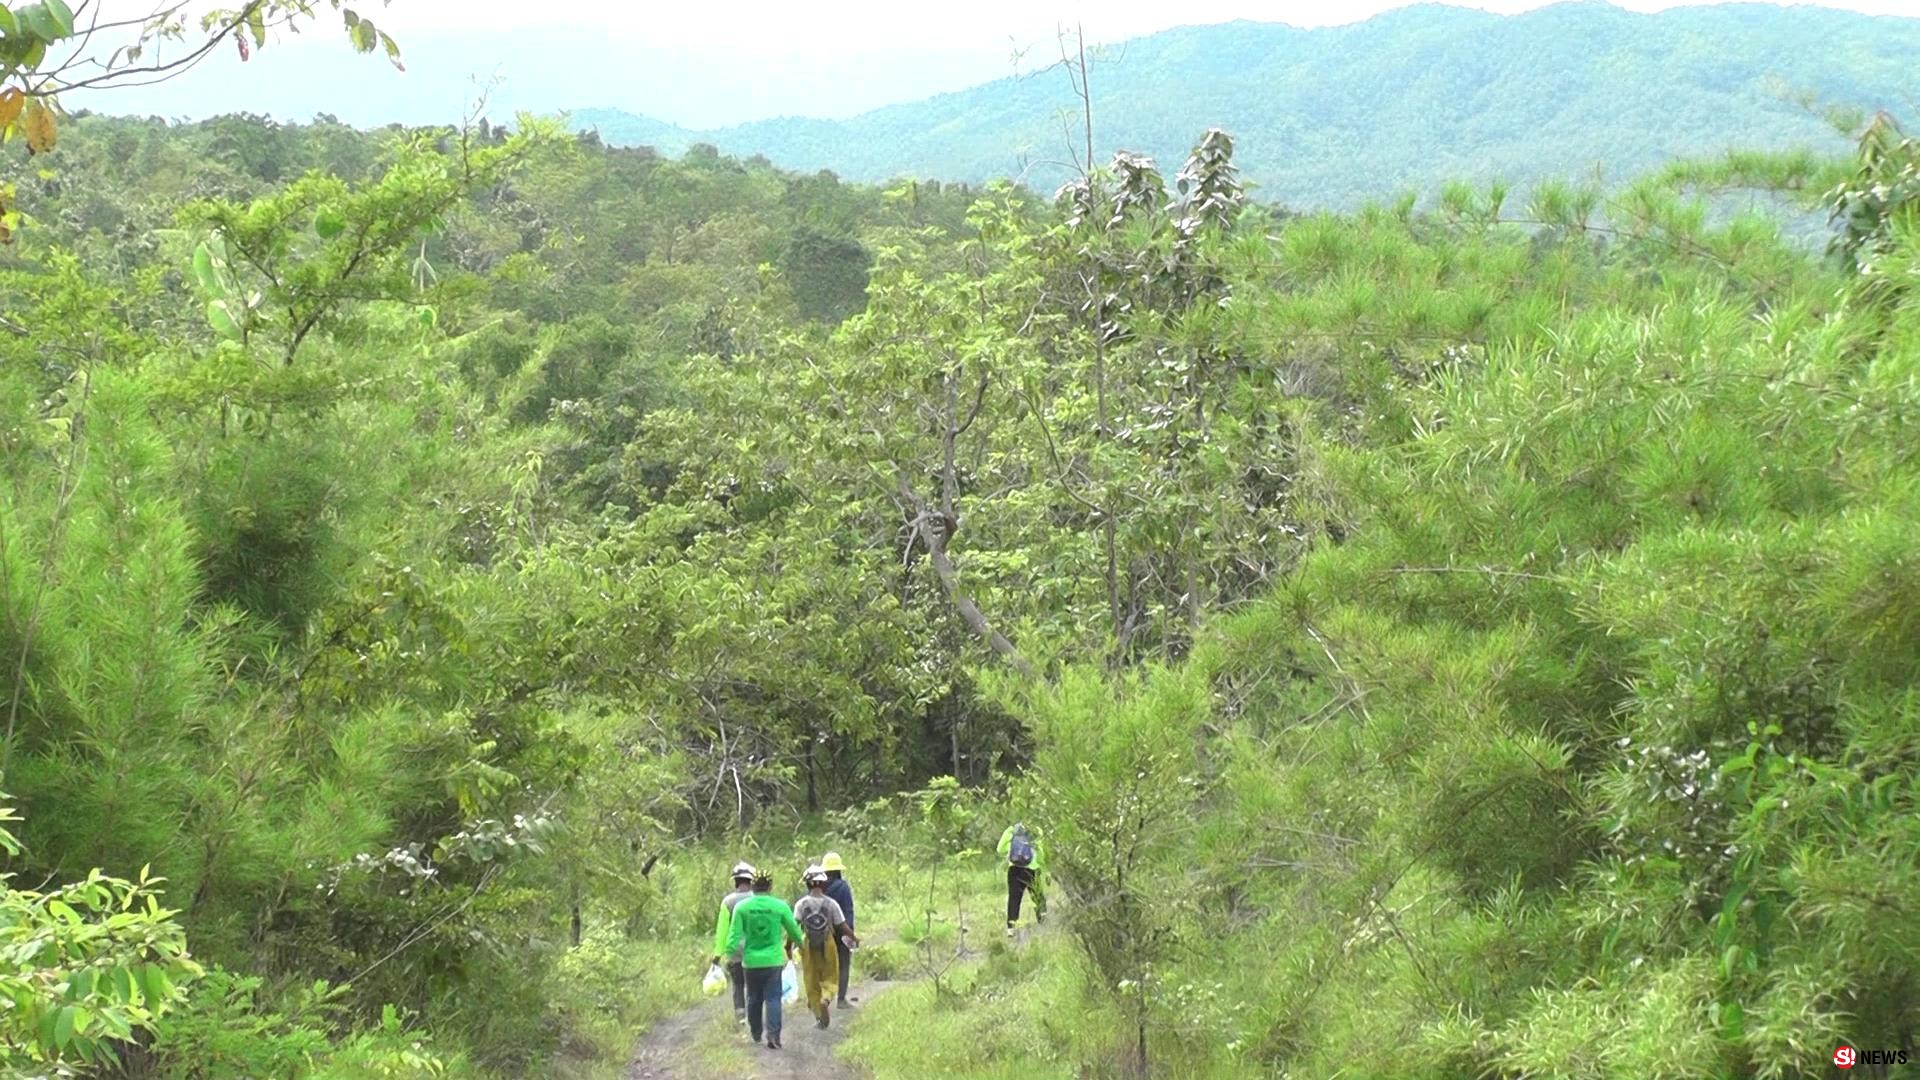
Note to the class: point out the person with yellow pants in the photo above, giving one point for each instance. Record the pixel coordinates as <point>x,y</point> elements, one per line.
<point>821,923</point>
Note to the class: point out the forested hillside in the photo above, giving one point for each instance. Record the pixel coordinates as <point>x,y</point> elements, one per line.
<point>1406,101</point>
<point>1467,640</point>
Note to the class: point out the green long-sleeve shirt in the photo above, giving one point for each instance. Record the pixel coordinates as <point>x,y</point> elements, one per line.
<point>1039,850</point>
<point>723,924</point>
<point>762,926</point>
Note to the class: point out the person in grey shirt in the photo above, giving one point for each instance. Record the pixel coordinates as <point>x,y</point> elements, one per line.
<point>821,922</point>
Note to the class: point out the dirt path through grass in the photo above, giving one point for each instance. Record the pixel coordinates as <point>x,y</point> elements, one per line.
<point>705,1041</point>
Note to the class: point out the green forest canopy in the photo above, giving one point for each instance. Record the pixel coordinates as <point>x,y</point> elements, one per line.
<point>1440,643</point>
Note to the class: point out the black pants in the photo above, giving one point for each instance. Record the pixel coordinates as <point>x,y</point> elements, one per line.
<point>1020,881</point>
<point>846,963</point>
<point>763,997</point>
<point>737,975</point>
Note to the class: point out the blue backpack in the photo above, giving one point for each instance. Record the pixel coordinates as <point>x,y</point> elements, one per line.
<point>1020,850</point>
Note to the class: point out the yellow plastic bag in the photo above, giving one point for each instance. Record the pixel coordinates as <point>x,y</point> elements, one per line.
<point>715,982</point>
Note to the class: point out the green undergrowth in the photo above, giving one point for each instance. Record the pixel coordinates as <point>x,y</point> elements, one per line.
<point>1013,1012</point>
<point>620,985</point>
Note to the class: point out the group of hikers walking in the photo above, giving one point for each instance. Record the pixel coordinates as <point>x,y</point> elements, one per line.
<point>756,934</point>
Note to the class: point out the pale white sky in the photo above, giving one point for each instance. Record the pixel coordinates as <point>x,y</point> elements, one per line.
<point>783,26</point>
<point>857,26</point>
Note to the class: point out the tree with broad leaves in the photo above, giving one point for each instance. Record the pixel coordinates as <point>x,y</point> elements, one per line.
<point>49,48</point>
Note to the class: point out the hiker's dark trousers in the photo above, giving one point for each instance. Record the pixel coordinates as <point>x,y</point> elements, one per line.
<point>737,975</point>
<point>1021,880</point>
<point>846,964</point>
<point>763,1001</point>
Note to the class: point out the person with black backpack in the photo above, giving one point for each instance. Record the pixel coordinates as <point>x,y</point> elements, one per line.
<point>1025,858</point>
<point>821,924</point>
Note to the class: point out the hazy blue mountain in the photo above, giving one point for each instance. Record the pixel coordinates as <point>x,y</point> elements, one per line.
<point>1407,100</point>
<point>620,128</point>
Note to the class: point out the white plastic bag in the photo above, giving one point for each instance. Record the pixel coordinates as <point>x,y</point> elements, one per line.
<point>715,982</point>
<point>789,984</point>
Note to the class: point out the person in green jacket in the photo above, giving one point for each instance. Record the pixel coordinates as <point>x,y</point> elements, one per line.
<point>1020,846</point>
<point>764,935</point>
<point>722,926</point>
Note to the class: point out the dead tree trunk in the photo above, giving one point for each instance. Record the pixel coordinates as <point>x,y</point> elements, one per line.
<point>933,532</point>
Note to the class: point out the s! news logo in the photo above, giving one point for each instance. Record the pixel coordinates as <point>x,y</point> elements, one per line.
<point>1847,1057</point>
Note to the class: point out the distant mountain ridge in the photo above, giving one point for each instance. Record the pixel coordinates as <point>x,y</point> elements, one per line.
<point>1332,117</point>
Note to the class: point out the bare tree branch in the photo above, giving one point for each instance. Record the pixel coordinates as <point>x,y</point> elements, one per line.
<point>932,532</point>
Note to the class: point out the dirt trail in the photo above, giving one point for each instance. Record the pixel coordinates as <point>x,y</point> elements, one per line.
<point>673,1048</point>
<point>705,1041</point>
<point>670,1040</point>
